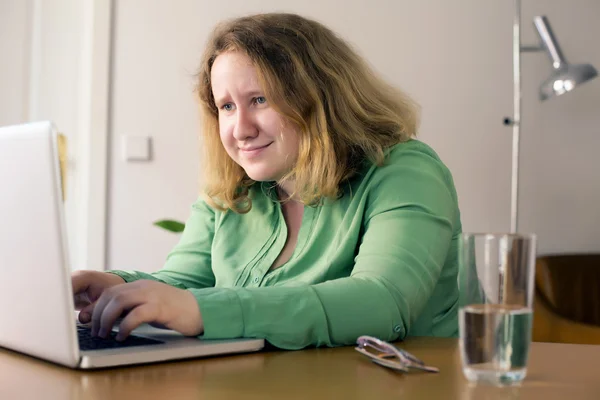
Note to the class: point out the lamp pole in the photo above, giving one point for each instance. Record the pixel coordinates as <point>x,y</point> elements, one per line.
<point>516,120</point>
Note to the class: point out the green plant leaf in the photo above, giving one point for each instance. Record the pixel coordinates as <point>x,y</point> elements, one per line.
<point>170,225</point>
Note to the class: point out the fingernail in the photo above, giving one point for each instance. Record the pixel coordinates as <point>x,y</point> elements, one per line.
<point>84,317</point>
<point>102,333</point>
<point>119,338</point>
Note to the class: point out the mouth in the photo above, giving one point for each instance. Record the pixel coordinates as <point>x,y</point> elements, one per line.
<point>254,150</point>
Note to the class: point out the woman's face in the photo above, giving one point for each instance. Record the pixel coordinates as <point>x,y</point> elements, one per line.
<point>254,135</point>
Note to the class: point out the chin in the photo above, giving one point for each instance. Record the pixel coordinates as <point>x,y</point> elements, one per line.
<point>261,176</point>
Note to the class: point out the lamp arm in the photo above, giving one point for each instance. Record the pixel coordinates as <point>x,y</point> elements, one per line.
<point>531,48</point>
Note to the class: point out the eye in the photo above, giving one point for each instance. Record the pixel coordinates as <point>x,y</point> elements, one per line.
<point>260,100</point>
<point>227,107</point>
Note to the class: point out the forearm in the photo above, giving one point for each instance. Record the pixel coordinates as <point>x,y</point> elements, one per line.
<point>327,314</point>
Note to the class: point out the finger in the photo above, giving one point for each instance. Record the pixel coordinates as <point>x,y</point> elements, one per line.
<point>139,315</point>
<point>101,304</point>
<point>85,315</point>
<point>115,308</point>
<point>120,301</point>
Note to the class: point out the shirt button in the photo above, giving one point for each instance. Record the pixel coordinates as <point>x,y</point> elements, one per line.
<point>397,329</point>
<point>256,279</point>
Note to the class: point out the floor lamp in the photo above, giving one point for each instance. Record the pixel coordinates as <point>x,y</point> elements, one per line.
<point>564,78</point>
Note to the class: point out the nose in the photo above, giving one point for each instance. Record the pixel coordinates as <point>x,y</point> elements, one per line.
<point>245,125</point>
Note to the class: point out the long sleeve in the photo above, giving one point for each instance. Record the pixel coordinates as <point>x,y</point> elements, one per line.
<point>188,265</point>
<point>410,215</point>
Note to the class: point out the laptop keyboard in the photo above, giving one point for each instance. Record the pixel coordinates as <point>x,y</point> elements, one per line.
<point>87,342</point>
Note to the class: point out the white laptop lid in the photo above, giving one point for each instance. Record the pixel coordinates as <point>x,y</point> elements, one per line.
<point>33,255</point>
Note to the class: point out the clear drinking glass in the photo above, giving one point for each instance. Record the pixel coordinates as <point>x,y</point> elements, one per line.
<point>496,305</point>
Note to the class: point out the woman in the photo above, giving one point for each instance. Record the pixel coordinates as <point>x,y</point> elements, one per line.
<point>322,220</point>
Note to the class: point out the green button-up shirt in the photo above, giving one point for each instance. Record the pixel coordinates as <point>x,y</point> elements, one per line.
<point>381,260</point>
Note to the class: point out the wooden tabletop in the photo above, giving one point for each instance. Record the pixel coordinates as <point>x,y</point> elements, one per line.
<point>556,371</point>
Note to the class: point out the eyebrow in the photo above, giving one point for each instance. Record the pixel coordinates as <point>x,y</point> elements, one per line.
<point>252,93</point>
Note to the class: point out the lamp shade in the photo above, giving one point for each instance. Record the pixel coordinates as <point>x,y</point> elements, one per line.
<point>565,77</point>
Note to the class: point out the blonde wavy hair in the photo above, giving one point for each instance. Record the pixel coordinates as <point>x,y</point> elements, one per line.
<point>343,112</point>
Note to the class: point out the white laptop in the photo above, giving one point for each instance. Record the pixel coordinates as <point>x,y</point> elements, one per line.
<point>37,310</point>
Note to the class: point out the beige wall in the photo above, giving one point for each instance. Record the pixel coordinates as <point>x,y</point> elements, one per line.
<point>15,23</point>
<point>453,57</point>
<point>560,174</point>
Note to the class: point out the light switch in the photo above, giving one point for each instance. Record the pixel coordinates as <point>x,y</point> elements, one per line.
<point>137,148</point>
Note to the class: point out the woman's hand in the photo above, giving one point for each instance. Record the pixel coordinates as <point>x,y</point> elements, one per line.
<point>87,288</point>
<point>146,301</point>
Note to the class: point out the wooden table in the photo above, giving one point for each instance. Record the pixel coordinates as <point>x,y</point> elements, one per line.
<point>556,371</point>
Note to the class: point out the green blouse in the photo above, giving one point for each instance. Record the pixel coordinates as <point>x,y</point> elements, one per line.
<point>382,260</point>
